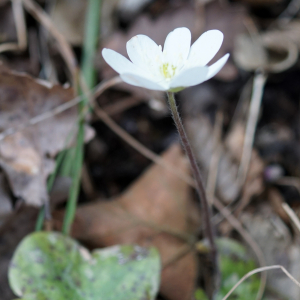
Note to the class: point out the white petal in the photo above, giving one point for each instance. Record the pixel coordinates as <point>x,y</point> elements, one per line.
<point>177,46</point>
<point>205,48</point>
<point>189,77</point>
<point>120,63</point>
<point>144,82</point>
<point>216,67</point>
<point>144,53</point>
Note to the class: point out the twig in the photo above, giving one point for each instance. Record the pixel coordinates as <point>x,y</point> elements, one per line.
<point>258,270</point>
<point>20,23</point>
<point>289,180</point>
<point>292,215</point>
<point>19,18</point>
<point>120,106</point>
<point>258,86</point>
<point>65,49</point>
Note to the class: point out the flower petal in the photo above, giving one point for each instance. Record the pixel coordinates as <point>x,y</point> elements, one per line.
<point>205,48</point>
<point>145,53</point>
<point>189,77</point>
<point>144,82</point>
<point>120,63</point>
<point>216,67</point>
<point>177,46</point>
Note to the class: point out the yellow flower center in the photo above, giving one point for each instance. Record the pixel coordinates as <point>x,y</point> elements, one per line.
<point>168,70</point>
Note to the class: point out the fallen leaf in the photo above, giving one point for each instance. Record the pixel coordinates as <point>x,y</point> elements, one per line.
<point>27,157</point>
<point>156,210</point>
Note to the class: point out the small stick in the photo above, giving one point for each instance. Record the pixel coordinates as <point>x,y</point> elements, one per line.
<point>65,49</point>
<point>258,270</point>
<point>258,87</point>
<point>289,181</point>
<point>19,18</point>
<point>291,214</point>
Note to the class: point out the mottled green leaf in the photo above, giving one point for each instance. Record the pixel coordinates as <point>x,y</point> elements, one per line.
<point>235,262</point>
<point>51,266</point>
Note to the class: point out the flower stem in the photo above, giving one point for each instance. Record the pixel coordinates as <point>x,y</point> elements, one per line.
<point>206,213</point>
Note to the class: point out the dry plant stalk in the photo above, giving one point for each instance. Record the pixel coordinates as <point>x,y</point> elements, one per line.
<point>258,270</point>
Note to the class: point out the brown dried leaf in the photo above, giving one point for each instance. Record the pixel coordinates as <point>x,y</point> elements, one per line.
<point>155,206</point>
<point>27,156</point>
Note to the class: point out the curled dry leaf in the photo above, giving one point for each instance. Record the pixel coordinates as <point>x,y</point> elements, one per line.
<point>156,210</point>
<point>27,156</point>
<point>253,52</point>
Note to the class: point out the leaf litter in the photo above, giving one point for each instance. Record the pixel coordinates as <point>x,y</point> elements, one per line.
<point>27,157</point>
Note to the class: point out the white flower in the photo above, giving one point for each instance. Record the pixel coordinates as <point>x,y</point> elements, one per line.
<point>179,65</point>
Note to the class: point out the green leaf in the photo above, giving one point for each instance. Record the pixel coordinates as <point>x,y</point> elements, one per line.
<point>51,266</point>
<point>235,262</point>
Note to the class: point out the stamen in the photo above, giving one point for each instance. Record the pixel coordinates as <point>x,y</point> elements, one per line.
<point>167,70</point>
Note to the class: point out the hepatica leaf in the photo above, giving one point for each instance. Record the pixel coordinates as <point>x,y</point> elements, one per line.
<point>51,266</point>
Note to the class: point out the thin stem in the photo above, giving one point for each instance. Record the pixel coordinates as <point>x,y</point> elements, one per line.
<point>74,190</point>
<point>92,22</point>
<point>208,228</point>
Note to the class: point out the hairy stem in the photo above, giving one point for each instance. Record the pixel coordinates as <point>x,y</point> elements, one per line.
<point>206,213</point>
